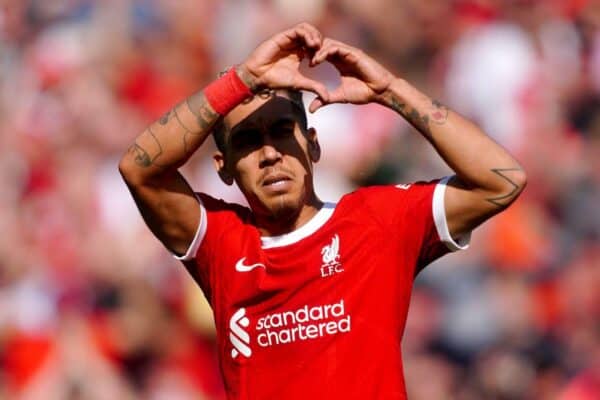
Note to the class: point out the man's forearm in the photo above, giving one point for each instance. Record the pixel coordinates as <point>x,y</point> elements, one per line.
<point>169,142</point>
<point>476,159</point>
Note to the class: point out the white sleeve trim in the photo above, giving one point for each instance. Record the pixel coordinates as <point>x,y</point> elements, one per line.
<point>197,241</point>
<point>441,223</point>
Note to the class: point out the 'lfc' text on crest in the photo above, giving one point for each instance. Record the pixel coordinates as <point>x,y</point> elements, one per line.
<point>331,258</point>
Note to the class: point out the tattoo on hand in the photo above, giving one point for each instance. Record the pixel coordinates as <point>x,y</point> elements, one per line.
<point>200,108</point>
<point>506,199</point>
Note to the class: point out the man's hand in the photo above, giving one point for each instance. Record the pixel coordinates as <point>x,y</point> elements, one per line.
<point>274,64</point>
<point>363,80</point>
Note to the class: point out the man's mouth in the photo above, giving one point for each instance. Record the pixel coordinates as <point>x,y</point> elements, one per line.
<point>276,181</point>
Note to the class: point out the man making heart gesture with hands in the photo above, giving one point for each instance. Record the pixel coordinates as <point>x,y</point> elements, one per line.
<point>309,298</point>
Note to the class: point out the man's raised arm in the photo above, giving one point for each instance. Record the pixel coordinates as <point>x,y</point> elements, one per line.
<point>487,180</point>
<point>165,200</point>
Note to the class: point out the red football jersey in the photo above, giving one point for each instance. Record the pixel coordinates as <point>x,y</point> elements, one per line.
<point>319,313</point>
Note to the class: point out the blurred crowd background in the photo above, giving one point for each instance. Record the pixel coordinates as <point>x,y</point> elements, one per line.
<point>93,307</point>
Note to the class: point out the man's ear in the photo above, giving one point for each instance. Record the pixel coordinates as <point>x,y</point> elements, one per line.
<point>221,168</point>
<point>314,149</point>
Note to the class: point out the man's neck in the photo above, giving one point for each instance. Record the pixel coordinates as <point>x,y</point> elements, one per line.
<point>276,225</point>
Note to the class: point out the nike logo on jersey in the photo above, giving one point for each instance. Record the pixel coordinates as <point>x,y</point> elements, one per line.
<point>241,267</point>
<point>404,186</point>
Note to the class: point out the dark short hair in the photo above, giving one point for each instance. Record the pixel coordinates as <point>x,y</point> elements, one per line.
<point>294,96</point>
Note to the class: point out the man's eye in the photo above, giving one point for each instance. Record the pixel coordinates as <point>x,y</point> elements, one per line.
<point>246,139</point>
<point>283,130</point>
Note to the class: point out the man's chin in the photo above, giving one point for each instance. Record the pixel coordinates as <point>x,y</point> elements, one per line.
<point>282,208</point>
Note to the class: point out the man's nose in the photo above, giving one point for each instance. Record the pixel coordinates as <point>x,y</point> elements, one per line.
<point>270,152</point>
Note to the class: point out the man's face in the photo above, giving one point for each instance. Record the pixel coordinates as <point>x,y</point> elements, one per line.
<point>269,156</point>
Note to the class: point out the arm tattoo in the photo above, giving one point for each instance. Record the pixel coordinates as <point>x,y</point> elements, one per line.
<point>142,157</point>
<point>199,107</point>
<point>438,114</point>
<point>188,133</point>
<point>421,122</point>
<point>245,76</point>
<point>397,105</point>
<point>506,199</point>
<point>165,118</point>
<point>179,120</point>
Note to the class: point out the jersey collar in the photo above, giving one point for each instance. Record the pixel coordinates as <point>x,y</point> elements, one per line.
<point>317,221</point>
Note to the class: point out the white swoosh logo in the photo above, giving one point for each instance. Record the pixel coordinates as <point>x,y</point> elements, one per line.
<point>404,186</point>
<point>241,267</point>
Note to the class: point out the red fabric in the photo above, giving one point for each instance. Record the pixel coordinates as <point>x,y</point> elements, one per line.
<point>476,11</point>
<point>227,92</point>
<point>349,347</point>
<point>24,356</point>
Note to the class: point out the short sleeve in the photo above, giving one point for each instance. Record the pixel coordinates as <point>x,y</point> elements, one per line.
<point>441,222</point>
<point>414,214</point>
<point>217,220</point>
<point>437,240</point>
<point>190,254</point>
